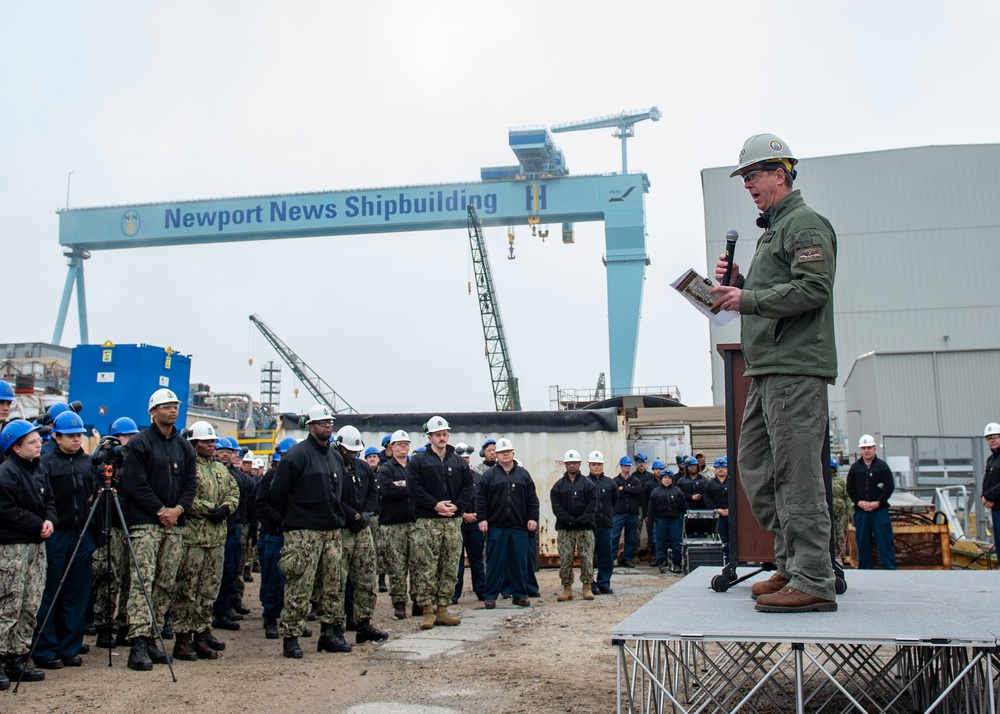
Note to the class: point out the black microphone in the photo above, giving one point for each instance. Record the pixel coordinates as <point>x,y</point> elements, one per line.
<point>731,237</point>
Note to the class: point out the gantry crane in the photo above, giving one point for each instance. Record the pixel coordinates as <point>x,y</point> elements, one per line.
<point>316,385</point>
<point>623,124</point>
<point>505,393</point>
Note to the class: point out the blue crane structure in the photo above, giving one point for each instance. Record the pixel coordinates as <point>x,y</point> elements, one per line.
<point>506,395</point>
<point>538,189</point>
<point>623,124</point>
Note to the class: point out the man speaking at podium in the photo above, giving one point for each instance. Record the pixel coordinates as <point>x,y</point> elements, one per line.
<point>785,301</point>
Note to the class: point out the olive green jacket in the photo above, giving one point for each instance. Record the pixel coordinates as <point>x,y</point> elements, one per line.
<point>216,488</point>
<point>786,305</point>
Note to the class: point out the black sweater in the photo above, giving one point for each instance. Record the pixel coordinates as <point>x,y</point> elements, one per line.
<point>397,506</point>
<point>607,499</point>
<point>507,499</point>
<point>158,472</point>
<point>71,478</point>
<point>666,503</point>
<point>25,501</point>
<point>432,480</point>
<point>629,493</point>
<point>874,483</point>
<point>991,479</point>
<point>574,503</point>
<point>306,489</point>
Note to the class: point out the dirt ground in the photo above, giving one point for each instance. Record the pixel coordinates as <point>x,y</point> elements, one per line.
<point>553,657</point>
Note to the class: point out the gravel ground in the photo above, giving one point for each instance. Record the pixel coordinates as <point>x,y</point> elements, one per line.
<point>553,657</point>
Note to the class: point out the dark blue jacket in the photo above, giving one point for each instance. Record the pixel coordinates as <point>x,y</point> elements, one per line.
<point>629,493</point>
<point>666,503</point>
<point>717,494</point>
<point>874,483</point>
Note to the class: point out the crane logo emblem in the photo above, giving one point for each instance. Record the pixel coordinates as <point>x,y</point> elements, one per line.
<point>623,196</point>
<point>130,222</point>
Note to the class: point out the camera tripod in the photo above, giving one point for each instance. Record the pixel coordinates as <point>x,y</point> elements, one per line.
<point>109,492</point>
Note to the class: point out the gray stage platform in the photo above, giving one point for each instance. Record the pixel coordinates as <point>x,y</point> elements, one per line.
<point>900,641</point>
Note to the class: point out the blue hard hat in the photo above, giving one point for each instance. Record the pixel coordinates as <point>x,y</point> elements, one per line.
<point>69,422</point>
<point>52,412</point>
<point>641,458</point>
<point>386,439</point>
<point>6,391</point>
<point>624,461</point>
<point>222,443</point>
<point>658,465</point>
<point>234,444</point>
<point>488,442</point>
<point>422,448</point>
<point>14,431</point>
<point>124,425</point>
<point>690,461</point>
<point>284,445</point>
<point>680,458</point>
<point>833,463</point>
<point>667,472</point>
<point>370,450</point>
<point>722,461</point>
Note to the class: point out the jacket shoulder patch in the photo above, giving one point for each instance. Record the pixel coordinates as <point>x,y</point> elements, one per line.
<point>810,254</point>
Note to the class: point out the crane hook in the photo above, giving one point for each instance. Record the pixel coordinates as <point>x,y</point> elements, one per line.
<point>510,240</point>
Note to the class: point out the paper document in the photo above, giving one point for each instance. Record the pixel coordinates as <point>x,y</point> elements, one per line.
<point>695,288</point>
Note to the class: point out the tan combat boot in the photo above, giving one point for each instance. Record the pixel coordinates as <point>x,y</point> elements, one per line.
<point>587,592</point>
<point>428,622</point>
<point>567,594</point>
<point>443,618</point>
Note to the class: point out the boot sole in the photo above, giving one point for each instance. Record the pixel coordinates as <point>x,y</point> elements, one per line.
<point>818,607</point>
<point>212,655</point>
<point>291,655</point>
<point>191,658</point>
<point>141,667</point>
<point>332,648</point>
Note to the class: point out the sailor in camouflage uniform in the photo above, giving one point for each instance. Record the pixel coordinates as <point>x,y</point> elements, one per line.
<point>200,572</point>
<point>306,493</point>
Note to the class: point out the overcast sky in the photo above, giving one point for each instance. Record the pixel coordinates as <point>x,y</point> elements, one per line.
<point>157,102</point>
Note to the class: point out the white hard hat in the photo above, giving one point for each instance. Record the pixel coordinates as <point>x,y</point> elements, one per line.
<point>258,463</point>
<point>461,447</point>
<point>162,396</point>
<point>202,431</point>
<point>571,455</point>
<point>504,444</point>
<point>991,428</point>
<point>399,435</point>
<point>595,457</point>
<point>437,423</point>
<point>350,438</point>
<point>763,147</point>
<point>248,456</point>
<point>866,440</point>
<point>318,412</point>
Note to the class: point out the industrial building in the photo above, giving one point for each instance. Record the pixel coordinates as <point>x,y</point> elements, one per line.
<point>917,234</point>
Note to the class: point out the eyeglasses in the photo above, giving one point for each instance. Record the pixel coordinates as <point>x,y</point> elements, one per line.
<point>993,436</point>
<point>752,176</point>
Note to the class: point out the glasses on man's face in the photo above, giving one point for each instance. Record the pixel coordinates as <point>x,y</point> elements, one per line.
<point>993,436</point>
<point>752,176</point>
<point>169,407</point>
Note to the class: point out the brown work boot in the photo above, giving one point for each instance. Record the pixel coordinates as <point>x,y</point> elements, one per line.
<point>202,646</point>
<point>767,587</point>
<point>792,600</point>
<point>443,618</point>
<point>567,594</point>
<point>399,610</point>
<point>428,622</point>
<point>183,647</point>
<point>588,594</point>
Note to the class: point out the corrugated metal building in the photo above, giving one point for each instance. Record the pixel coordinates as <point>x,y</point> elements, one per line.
<point>917,234</point>
<point>952,393</point>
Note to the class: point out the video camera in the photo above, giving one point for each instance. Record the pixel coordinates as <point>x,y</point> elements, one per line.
<point>110,450</point>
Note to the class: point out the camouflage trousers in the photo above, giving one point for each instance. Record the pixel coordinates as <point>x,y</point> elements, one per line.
<point>381,564</point>
<point>359,566</point>
<point>112,565</point>
<point>583,543</point>
<point>198,580</point>
<point>397,543</point>
<point>311,560</point>
<point>159,553</point>
<point>22,580</point>
<point>437,545</point>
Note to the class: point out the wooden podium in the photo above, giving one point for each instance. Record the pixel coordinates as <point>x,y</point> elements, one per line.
<point>749,543</point>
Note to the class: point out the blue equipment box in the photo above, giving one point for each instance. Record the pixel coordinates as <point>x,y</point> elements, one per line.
<point>117,380</point>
